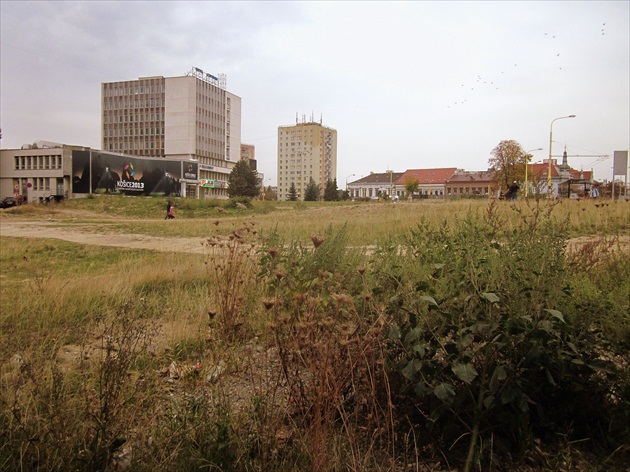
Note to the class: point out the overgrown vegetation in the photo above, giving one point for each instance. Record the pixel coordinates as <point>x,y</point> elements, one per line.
<point>481,341</point>
<point>489,345</point>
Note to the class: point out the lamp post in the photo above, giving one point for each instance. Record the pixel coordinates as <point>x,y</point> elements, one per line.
<point>391,174</point>
<point>351,175</point>
<point>550,144</point>
<point>264,191</point>
<point>527,154</point>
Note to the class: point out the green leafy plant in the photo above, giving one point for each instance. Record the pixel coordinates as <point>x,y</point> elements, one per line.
<point>482,342</point>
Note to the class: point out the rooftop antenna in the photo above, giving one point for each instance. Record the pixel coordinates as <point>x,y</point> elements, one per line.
<point>223,81</point>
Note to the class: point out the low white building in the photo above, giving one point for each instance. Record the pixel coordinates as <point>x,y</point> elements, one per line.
<point>37,172</point>
<point>374,185</point>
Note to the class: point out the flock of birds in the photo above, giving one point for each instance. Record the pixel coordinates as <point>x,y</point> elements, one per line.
<point>480,82</point>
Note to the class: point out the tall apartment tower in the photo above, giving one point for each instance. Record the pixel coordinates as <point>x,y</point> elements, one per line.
<point>306,150</point>
<point>192,117</point>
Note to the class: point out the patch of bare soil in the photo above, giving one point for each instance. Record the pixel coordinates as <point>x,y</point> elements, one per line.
<point>94,235</point>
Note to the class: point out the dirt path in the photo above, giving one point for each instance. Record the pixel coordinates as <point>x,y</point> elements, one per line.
<point>93,234</point>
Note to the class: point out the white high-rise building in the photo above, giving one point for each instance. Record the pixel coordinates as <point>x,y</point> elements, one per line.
<point>188,117</point>
<point>306,150</point>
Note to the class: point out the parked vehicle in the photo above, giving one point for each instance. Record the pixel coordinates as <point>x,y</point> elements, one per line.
<point>9,202</point>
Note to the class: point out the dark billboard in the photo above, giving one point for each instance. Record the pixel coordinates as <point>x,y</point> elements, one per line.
<point>99,172</point>
<point>190,170</point>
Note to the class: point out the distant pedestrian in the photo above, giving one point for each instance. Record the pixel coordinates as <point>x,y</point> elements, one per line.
<point>512,191</point>
<point>169,211</point>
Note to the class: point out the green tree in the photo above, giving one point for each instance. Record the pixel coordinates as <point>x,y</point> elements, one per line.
<point>508,163</point>
<point>411,186</point>
<point>292,193</point>
<point>330,192</point>
<point>269,193</point>
<point>312,191</point>
<point>243,181</point>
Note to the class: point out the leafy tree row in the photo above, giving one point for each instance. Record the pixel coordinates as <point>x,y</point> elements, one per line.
<point>244,182</point>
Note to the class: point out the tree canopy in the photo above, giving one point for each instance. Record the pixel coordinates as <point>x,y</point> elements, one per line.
<point>292,192</point>
<point>312,191</point>
<point>269,193</point>
<point>411,186</point>
<point>330,192</point>
<point>508,162</point>
<point>243,181</point>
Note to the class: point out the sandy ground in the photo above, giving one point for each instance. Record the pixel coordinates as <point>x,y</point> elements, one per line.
<point>94,235</point>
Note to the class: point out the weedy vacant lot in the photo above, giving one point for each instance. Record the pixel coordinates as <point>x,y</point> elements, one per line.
<point>468,335</point>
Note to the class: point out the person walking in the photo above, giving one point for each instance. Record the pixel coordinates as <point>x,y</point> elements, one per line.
<point>512,190</point>
<point>169,211</point>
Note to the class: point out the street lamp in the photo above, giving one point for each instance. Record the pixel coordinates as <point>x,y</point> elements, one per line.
<point>351,175</point>
<point>264,192</point>
<point>391,174</point>
<point>527,154</point>
<point>550,143</point>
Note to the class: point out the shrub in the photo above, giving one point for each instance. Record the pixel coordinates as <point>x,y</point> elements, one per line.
<point>330,347</point>
<point>236,203</point>
<point>484,341</point>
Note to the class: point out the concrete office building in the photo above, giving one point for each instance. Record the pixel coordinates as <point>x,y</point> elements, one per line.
<point>188,117</point>
<point>306,150</point>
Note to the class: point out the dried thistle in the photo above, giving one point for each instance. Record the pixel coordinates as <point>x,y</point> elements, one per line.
<point>269,303</point>
<point>317,239</point>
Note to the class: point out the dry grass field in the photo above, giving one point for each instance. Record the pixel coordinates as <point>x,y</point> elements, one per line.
<point>282,337</point>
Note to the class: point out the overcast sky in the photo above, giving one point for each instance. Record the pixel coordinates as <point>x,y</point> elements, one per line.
<point>405,84</point>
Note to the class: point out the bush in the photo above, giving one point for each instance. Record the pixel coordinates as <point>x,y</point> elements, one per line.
<point>484,340</point>
<point>330,347</point>
<point>234,202</point>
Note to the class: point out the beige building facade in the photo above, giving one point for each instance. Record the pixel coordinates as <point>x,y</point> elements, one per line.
<point>37,172</point>
<point>306,150</point>
<point>192,117</point>
<point>480,183</point>
<point>374,186</point>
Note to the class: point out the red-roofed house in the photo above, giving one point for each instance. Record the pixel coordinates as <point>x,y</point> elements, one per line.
<point>472,183</point>
<point>432,182</point>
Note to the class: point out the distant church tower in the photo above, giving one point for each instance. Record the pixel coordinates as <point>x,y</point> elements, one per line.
<point>564,171</point>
